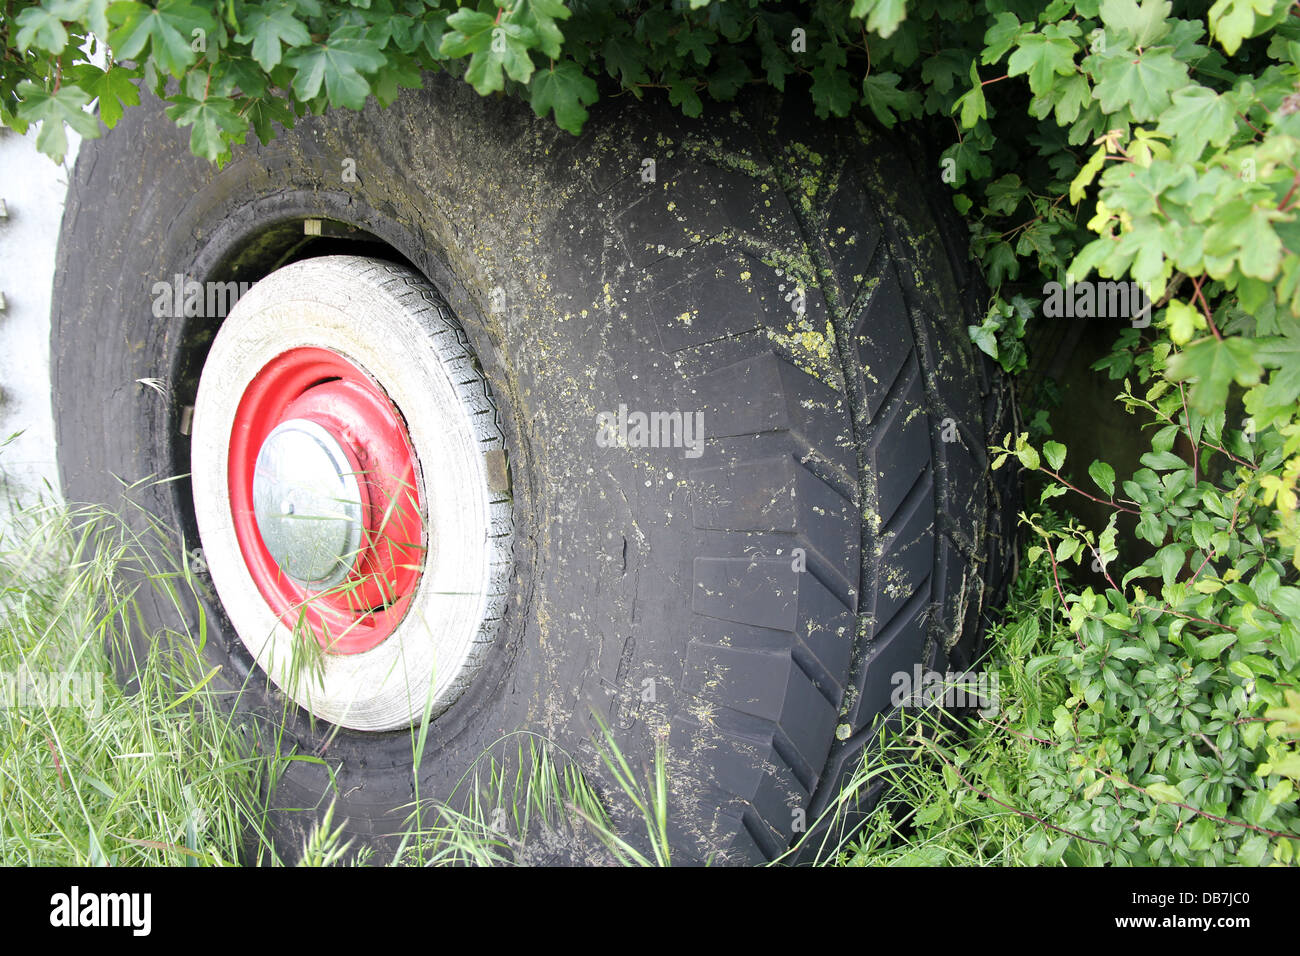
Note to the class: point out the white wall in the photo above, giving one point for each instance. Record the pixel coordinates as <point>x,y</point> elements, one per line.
<point>33,189</point>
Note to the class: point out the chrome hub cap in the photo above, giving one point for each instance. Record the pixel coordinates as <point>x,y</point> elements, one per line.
<point>308,503</point>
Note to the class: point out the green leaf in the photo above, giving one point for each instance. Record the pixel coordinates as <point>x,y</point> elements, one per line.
<point>1051,491</point>
<point>1288,766</point>
<point>264,114</point>
<point>883,16</point>
<point>1004,194</point>
<point>1086,175</point>
<point>168,30</point>
<point>881,93</point>
<point>1163,461</point>
<point>242,73</point>
<point>53,111</point>
<point>697,43</point>
<point>507,51</point>
<point>1150,528</point>
<point>1196,118</point>
<point>566,91</point>
<point>1201,835</point>
<point>1184,322</point>
<point>1104,475</point>
<point>471,32</point>
<point>114,88</point>
<point>1171,559</point>
<point>1234,20</point>
<point>540,17</point>
<point>400,72</point>
<point>1214,645</point>
<point>1028,457</point>
<point>1163,792</point>
<point>337,64</point>
<point>972,103</point>
<point>985,338</point>
<point>1282,393</point>
<point>1241,230</point>
<point>1214,364</point>
<point>682,92</point>
<point>1142,83</point>
<point>1068,96</point>
<point>729,78</point>
<point>971,161</point>
<point>1042,56</point>
<point>214,123</point>
<point>41,29</point>
<point>269,28</point>
<point>625,59</point>
<point>832,90</point>
<point>93,13</point>
<point>1287,600</point>
<point>1140,24</point>
<point>1001,36</point>
<point>941,70</point>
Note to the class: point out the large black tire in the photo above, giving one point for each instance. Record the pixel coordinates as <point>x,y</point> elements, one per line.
<point>855,431</point>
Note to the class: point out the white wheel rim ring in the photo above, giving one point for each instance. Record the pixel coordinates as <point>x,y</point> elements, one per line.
<point>456,609</point>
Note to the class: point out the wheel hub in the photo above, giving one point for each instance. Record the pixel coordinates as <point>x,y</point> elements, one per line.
<point>308,503</point>
<point>326,500</point>
<point>347,492</point>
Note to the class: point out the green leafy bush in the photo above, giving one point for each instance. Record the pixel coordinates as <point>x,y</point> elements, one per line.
<point>1109,747</point>
<point>1138,140</point>
<point>1174,735</point>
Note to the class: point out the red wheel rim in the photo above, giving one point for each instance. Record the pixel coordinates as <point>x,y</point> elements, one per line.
<point>323,387</point>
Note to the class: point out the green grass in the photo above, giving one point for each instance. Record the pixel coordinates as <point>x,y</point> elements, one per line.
<point>170,773</point>
<point>968,789</point>
<point>525,801</point>
<point>151,777</point>
<point>955,784</point>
